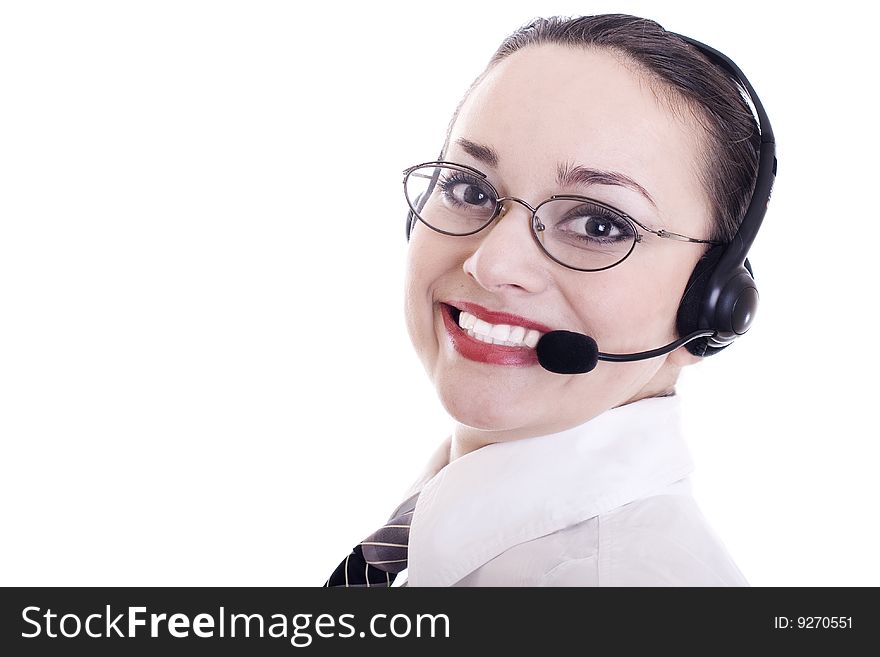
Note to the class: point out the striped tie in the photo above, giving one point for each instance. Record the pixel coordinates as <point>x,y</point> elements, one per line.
<point>377,559</point>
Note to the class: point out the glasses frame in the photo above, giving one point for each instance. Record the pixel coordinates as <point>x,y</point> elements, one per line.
<point>535,223</point>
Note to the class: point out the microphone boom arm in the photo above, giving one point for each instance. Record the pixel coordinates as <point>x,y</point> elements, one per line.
<point>642,355</point>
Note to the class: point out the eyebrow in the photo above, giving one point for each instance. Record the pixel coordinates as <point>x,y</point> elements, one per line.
<point>567,173</point>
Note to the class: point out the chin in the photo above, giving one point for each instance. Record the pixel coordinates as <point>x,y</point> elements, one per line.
<point>481,407</point>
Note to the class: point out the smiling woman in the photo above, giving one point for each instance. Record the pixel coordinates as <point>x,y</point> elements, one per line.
<point>602,178</point>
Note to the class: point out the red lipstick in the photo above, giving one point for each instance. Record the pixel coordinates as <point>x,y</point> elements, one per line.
<point>499,318</point>
<point>483,352</point>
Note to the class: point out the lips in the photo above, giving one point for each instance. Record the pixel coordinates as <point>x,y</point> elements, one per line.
<point>494,317</point>
<point>483,352</point>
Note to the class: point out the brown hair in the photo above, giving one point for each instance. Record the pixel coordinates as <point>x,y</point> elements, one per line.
<point>680,76</point>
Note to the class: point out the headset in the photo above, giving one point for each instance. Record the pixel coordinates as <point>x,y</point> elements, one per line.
<point>721,294</point>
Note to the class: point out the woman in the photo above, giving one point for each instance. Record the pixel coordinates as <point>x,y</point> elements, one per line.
<point>584,146</point>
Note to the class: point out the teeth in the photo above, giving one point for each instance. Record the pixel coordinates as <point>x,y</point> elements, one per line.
<point>499,332</point>
<point>481,327</point>
<point>503,334</point>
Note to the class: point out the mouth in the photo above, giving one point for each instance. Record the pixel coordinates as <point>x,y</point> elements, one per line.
<point>504,333</point>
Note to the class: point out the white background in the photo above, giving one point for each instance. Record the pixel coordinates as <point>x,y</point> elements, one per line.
<point>196,389</point>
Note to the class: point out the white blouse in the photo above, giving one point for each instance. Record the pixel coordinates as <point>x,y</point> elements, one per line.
<point>606,503</point>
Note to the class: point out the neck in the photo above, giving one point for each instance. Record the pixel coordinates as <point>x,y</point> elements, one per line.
<point>466,439</point>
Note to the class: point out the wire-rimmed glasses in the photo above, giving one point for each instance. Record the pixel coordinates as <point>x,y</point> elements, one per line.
<point>576,231</point>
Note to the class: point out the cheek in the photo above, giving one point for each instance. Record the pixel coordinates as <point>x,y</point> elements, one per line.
<point>415,297</point>
<point>427,262</point>
<point>635,307</point>
<point>422,269</point>
<point>430,259</point>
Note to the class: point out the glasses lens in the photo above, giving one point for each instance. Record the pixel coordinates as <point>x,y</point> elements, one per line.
<point>584,234</point>
<point>451,200</point>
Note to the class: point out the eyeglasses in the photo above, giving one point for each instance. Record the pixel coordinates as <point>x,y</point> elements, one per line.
<point>577,232</point>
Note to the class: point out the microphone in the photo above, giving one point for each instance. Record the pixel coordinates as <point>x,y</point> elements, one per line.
<point>566,352</point>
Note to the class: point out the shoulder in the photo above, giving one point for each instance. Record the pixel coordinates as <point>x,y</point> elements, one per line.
<point>663,540</point>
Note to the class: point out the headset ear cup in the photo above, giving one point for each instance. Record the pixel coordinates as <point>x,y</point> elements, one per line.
<point>692,302</point>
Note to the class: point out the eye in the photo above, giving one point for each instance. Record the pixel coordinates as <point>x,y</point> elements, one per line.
<point>600,228</point>
<point>464,191</point>
<point>594,224</point>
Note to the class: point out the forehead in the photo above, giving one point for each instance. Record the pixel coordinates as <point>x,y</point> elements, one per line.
<point>548,105</point>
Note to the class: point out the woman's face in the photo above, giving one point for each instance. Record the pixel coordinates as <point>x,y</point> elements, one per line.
<point>542,108</point>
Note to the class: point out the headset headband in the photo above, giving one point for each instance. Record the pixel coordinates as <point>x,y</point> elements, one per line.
<point>735,252</point>
<point>767,156</point>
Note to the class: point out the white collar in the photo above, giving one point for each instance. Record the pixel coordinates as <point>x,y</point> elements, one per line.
<point>503,494</point>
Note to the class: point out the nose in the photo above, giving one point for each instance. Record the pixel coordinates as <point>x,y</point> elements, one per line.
<point>507,258</point>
